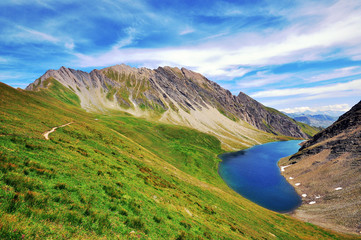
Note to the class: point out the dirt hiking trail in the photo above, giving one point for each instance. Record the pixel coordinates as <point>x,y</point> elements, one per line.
<point>46,134</point>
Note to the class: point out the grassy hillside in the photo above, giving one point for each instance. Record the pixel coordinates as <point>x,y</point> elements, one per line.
<point>117,177</point>
<point>309,130</point>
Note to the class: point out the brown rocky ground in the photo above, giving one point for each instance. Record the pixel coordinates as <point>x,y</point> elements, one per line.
<point>328,168</point>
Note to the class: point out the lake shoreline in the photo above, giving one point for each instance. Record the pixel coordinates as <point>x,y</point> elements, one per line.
<point>302,212</point>
<point>269,180</point>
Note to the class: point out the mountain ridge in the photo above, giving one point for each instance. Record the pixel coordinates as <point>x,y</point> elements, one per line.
<point>176,96</point>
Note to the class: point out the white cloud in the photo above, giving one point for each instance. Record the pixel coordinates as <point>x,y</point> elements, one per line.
<point>354,85</point>
<point>225,74</point>
<point>338,27</point>
<point>337,107</point>
<point>349,97</point>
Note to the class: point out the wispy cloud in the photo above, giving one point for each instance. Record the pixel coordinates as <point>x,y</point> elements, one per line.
<point>14,33</point>
<point>353,86</point>
<point>37,35</point>
<point>336,73</point>
<point>335,107</point>
<point>127,40</point>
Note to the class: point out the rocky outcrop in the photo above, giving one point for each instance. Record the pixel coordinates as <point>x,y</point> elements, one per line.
<point>178,95</point>
<point>343,136</point>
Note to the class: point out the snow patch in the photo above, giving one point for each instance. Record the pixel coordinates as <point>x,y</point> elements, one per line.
<point>283,168</point>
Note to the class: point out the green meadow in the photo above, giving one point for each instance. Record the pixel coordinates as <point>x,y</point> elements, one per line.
<point>114,176</point>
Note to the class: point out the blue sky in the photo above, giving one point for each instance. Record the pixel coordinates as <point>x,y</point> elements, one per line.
<point>291,55</point>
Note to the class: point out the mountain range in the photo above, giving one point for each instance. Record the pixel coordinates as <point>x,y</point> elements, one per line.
<point>316,120</point>
<point>175,96</point>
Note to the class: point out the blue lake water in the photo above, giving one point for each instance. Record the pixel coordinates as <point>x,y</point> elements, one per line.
<point>254,174</point>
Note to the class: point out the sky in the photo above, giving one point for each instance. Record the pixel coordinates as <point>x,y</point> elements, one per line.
<point>290,55</point>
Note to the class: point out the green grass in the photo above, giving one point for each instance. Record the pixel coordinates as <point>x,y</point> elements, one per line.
<point>228,115</point>
<point>309,130</point>
<point>118,177</point>
<point>57,90</point>
<point>110,93</point>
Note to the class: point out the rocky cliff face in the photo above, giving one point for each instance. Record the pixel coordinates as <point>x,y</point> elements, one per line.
<point>344,136</point>
<point>328,168</point>
<point>177,96</point>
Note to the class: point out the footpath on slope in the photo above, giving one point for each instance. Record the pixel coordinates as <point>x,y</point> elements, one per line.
<point>46,134</point>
